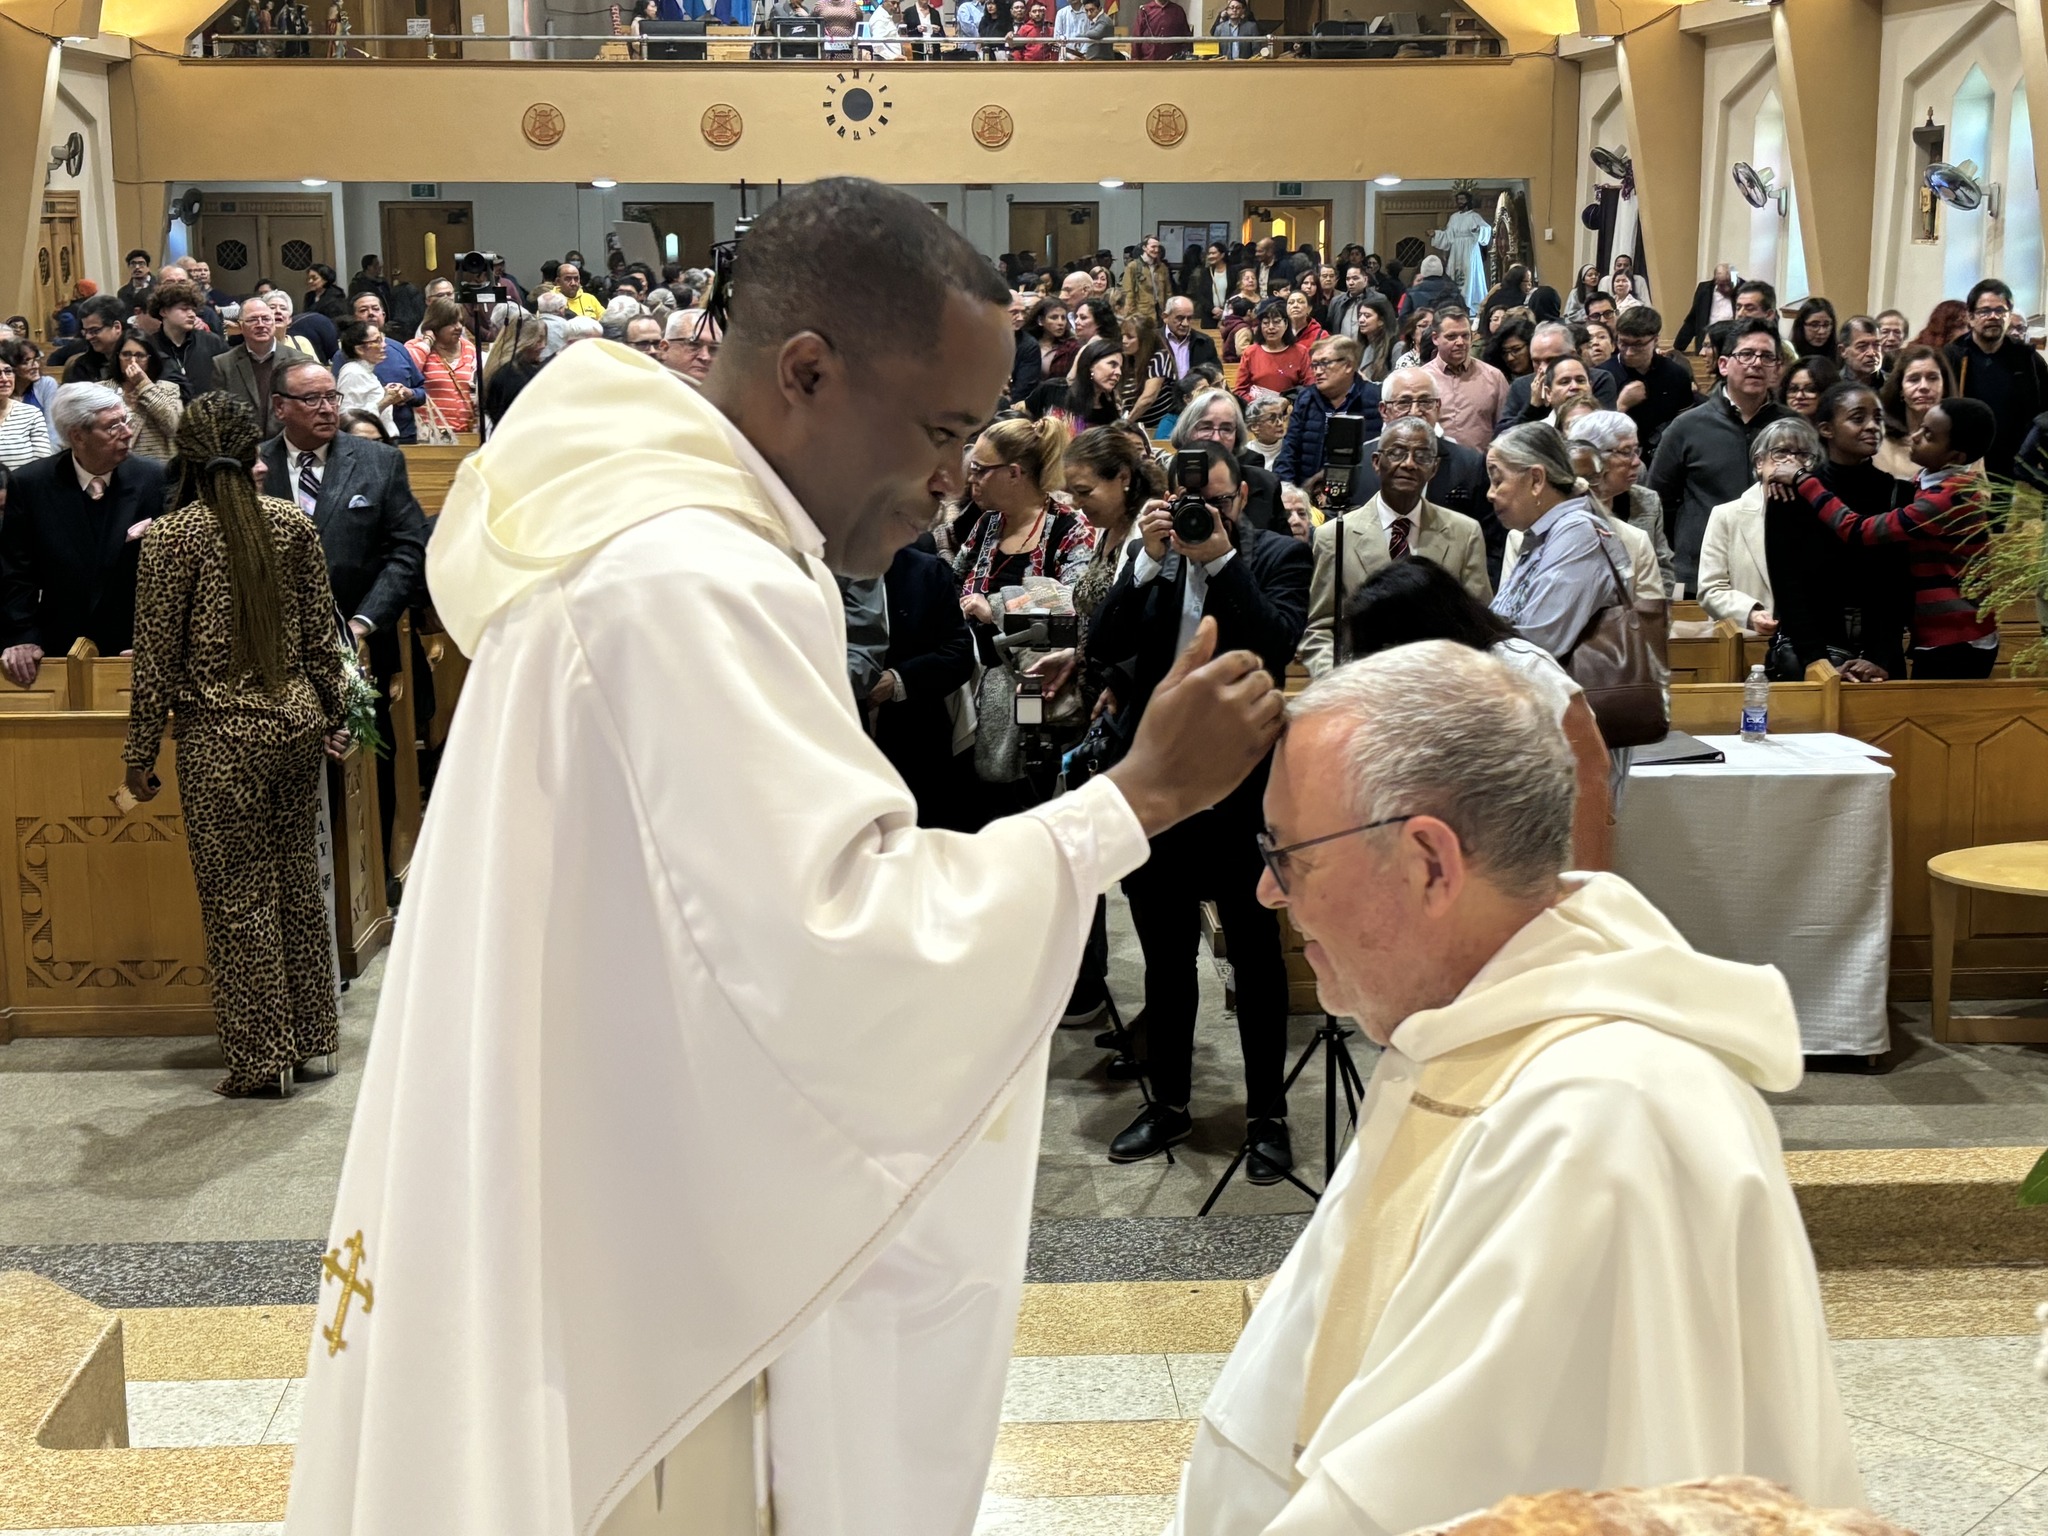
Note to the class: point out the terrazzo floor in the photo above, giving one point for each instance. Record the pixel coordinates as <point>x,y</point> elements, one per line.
<point>122,1178</point>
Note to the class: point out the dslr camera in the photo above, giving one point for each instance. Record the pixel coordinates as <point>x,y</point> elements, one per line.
<point>1194,520</point>
<point>476,278</point>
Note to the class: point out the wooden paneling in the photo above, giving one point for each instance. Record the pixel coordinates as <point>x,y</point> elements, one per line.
<point>431,469</point>
<point>407,806</point>
<point>1711,657</point>
<point>51,690</point>
<point>362,915</point>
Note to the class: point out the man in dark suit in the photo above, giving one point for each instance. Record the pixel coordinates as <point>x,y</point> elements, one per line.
<point>1705,311</point>
<point>1188,347</point>
<point>1550,342</point>
<point>1254,586</point>
<point>72,534</point>
<point>1460,479</point>
<point>357,494</point>
<point>930,654</point>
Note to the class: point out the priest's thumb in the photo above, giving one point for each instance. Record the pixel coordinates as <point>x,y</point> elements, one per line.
<point>1197,655</point>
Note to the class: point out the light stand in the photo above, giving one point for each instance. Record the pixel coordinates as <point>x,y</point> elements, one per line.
<point>1338,1067</point>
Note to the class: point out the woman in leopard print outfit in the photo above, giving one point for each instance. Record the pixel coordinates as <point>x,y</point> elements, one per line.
<point>235,637</point>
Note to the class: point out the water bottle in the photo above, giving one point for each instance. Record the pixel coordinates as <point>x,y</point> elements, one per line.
<point>1756,705</point>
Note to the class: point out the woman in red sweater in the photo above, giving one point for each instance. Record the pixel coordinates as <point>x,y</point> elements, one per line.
<point>1278,362</point>
<point>1943,529</point>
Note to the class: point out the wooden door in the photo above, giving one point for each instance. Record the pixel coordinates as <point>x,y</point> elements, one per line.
<point>60,259</point>
<point>292,243</point>
<point>421,239</point>
<point>232,244</point>
<point>683,232</point>
<point>1297,223</point>
<point>1056,233</point>
<point>264,235</point>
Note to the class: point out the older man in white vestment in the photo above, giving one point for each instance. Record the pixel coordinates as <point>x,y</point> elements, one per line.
<point>690,1182</point>
<point>1563,1252</point>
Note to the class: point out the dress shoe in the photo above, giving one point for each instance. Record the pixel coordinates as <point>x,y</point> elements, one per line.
<point>1088,1004</point>
<point>1272,1154</point>
<point>1124,1069</point>
<point>1155,1129</point>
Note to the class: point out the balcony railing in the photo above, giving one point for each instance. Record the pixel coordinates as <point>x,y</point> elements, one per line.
<point>724,45</point>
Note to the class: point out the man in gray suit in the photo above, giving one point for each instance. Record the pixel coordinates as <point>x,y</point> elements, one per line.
<point>248,370</point>
<point>1397,521</point>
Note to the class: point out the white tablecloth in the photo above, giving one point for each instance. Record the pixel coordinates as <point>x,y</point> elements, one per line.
<point>1781,856</point>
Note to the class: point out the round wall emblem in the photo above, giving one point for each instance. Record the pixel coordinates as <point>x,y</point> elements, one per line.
<point>543,125</point>
<point>993,127</point>
<point>722,126</point>
<point>1166,125</point>
<point>857,105</point>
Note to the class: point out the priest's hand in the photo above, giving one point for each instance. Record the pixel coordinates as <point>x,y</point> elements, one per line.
<point>1208,724</point>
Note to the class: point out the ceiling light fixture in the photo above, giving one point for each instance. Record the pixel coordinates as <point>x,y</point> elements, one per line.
<point>603,183</point>
<point>1386,181</point>
<point>1110,184</point>
<point>312,181</point>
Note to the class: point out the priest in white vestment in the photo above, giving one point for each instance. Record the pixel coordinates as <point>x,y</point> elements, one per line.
<point>690,1183</point>
<point>1563,1252</point>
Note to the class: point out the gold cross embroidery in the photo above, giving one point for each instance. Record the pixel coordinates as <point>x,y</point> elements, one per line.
<point>351,1287</point>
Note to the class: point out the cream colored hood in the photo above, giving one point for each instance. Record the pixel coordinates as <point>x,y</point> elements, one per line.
<point>1606,951</point>
<point>603,439</point>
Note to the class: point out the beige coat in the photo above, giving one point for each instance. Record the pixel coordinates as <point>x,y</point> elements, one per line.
<point>1734,576</point>
<point>1453,540</point>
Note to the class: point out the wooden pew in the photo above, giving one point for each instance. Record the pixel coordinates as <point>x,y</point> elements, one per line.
<point>407,802</point>
<point>1713,655</point>
<point>431,468</point>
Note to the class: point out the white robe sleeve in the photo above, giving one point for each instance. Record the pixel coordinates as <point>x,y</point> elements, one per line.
<point>1633,1307</point>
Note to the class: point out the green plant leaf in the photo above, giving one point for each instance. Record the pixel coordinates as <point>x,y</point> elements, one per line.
<point>2034,1188</point>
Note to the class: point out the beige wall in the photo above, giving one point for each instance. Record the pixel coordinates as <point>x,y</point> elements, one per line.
<point>1514,120</point>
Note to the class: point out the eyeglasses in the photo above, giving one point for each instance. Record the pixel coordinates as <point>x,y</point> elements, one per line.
<point>1318,364</point>
<point>1753,359</point>
<point>1407,455</point>
<point>1277,857</point>
<point>1403,405</point>
<point>1998,312</point>
<point>646,344</point>
<point>977,471</point>
<point>325,397</point>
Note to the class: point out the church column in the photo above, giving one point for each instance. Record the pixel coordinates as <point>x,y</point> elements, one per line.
<point>1828,55</point>
<point>28,110</point>
<point>1663,93</point>
<point>2033,25</point>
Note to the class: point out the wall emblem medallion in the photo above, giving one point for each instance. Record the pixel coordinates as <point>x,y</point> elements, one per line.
<point>543,125</point>
<point>857,105</point>
<point>993,127</point>
<point>1166,125</point>
<point>722,126</point>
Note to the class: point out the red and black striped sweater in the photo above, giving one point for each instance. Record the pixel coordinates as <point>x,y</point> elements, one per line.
<point>1942,528</point>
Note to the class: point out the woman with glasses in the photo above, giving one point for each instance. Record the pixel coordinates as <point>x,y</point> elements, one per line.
<point>154,402</point>
<point>1805,382</point>
<point>1813,330</point>
<point>31,384</point>
<point>1278,361</point>
<point>24,435</point>
<point>1613,479</point>
<point>1417,599</point>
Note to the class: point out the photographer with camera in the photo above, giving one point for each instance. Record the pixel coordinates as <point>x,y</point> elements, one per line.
<point>1201,558</point>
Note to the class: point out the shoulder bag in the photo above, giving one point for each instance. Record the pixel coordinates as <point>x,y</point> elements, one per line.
<point>1619,663</point>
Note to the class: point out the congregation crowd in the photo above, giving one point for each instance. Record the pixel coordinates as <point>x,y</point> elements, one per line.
<point>1524,467</point>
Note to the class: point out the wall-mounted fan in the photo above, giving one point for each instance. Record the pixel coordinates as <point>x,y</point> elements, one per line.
<point>1958,186</point>
<point>1756,188</point>
<point>68,157</point>
<point>190,201</point>
<point>1613,162</point>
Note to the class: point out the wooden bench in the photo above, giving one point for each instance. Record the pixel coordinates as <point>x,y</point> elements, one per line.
<point>431,468</point>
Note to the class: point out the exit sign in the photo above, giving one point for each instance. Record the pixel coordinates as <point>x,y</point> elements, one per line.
<point>426,189</point>
<point>1288,189</point>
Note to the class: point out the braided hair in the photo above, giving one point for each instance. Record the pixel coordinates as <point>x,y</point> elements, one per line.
<point>216,448</point>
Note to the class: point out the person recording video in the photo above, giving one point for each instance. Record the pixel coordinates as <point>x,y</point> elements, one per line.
<point>1202,558</point>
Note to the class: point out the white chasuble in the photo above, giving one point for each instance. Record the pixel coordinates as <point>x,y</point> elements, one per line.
<point>695,1057</point>
<point>1563,1252</point>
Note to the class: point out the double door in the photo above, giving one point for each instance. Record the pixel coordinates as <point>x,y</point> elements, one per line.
<point>245,238</point>
<point>60,259</point>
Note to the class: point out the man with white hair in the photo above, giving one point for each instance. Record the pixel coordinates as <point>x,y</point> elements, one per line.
<point>581,328</point>
<point>73,531</point>
<point>1562,1251</point>
<point>690,345</point>
<point>553,310</point>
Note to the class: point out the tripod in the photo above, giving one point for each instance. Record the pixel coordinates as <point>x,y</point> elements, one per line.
<point>1337,1067</point>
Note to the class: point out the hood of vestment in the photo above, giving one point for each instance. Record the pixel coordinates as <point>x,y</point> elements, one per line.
<point>1605,951</point>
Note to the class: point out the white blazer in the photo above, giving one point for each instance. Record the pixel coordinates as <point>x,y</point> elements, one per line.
<point>1734,576</point>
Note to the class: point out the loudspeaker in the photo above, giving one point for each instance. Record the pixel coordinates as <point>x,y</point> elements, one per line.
<point>665,39</point>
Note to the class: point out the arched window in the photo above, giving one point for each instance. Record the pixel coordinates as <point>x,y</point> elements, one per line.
<point>2021,212</point>
<point>1969,138</point>
<point>1767,153</point>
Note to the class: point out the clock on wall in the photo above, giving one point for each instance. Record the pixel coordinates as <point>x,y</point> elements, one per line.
<point>857,105</point>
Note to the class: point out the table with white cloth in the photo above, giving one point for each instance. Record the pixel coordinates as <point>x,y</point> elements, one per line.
<point>1782,855</point>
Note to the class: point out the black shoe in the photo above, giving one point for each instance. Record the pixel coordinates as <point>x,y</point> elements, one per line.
<point>1272,1154</point>
<point>1087,1005</point>
<point>1110,1040</point>
<point>1123,1069</point>
<point>1155,1129</point>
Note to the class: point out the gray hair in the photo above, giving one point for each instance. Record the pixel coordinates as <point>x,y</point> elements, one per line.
<point>683,325</point>
<point>1440,729</point>
<point>623,307</point>
<point>75,406</point>
<point>1788,434</point>
<point>582,328</point>
<point>1197,408</point>
<point>1538,445</point>
<point>1559,329</point>
<point>1603,430</point>
<point>551,304</point>
<point>278,300</point>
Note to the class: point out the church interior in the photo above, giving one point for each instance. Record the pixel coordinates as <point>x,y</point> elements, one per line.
<point>168,1258</point>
